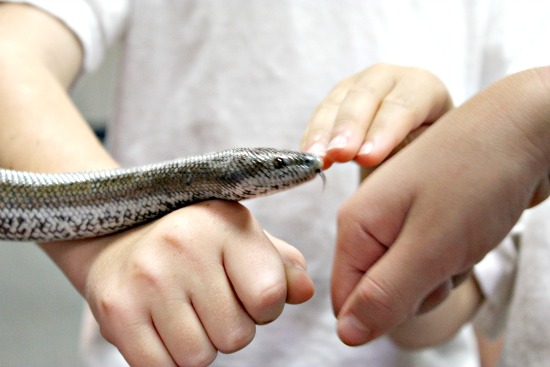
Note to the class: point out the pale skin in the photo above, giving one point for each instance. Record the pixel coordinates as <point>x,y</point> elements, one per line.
<point>415,223</point>
<point>170,293</point>
<point>368,117</point>
<point>147,287</point>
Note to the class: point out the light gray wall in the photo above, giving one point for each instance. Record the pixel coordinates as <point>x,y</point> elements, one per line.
<point>94,93</point>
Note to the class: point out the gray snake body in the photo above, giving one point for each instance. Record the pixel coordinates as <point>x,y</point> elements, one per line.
<point>65,206</point>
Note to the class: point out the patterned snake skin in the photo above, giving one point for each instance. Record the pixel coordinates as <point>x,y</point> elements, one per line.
<point>52,207</point>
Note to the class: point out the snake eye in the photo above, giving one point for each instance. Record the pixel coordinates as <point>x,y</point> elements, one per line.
<point>279,163</point>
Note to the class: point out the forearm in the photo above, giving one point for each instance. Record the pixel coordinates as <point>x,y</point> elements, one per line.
<point>41,128</point>
<point>513,113</point>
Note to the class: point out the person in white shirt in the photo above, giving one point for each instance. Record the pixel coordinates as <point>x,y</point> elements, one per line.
<point>200,76</point>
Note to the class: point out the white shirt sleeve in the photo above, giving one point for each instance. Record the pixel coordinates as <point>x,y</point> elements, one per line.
<point>495,275</point>
<point>526,31</point>
<point>96,23</point>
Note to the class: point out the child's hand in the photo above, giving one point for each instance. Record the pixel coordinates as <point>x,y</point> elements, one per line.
<point>197,281</point>
<point>434,212</point>
<point>370,113</point>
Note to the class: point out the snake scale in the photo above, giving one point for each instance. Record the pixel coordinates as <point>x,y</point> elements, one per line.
<point>64,206</point>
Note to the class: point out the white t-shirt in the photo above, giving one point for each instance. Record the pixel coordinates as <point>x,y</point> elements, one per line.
<point>527,340</point>
<point>200,76</point>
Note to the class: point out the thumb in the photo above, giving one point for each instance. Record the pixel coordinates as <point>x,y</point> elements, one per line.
<point>393,246</point>
<point>392,290</point>
<point>300,286</point>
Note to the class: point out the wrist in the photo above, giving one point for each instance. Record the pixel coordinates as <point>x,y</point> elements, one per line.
<point>75,258</point>
<point>510,118</point>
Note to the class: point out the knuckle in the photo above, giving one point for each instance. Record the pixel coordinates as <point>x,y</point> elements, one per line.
<point>316,134</point>
<point>380,67</point>
<point>171,228</point>
<point>400,100</point>
<point>340,91</point>
<point>361,91</point>
<point>174,234</point>
<point>328,106</point>
<point>406,105</point>
<point>269,303</point>
<point>427,77</point>
<point>202,358</point>
<point>424,74</point>
<point>225,211</point>
<point>107,334</point>
<point>111,314</point>
<point>239,338</point>
<point>273,295</point>
<point>146,272</point>
<point>347,120</point>
<point>361,88</point>
<point>109,306</point>
<point>378,297</point>
<point>234,209</point>
<point>294,255</point>
<point>336,96</point>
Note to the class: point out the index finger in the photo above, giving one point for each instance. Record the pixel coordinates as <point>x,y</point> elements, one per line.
<point>319,128</point>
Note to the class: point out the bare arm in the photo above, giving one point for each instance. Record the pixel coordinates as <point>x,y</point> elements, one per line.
<point>484,162</point>
<point>40,59</point>
<point>41,128</point>
<point>169,293</point>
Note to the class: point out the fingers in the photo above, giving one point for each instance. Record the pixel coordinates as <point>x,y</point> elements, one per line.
<point>446,206</point>
<point>139,344</point>
<point>177,291</point>
<point>383,271</point>
<point>319,129</point>
<point>356,115</point>
<point>376,282</point>
<point>388,294</point>
<point>363,239</point>
<point>357,250</point>
<point>222,323</point>
<point>179,327</point>
<point>417,98</point>
<point>257,275</point>
<point>300,287</point>
<point>143,309</point>
<point>366,116</point>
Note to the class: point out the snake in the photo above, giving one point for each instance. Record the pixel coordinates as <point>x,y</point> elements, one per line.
<point>46,207</point>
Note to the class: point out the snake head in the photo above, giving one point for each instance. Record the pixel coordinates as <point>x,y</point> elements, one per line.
<point>261,171</point>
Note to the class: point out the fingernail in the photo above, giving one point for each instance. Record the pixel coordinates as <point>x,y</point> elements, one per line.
<point>367,148</point>
<point>338,142</point>
<point>352,331</point>
<point>318,148</point>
